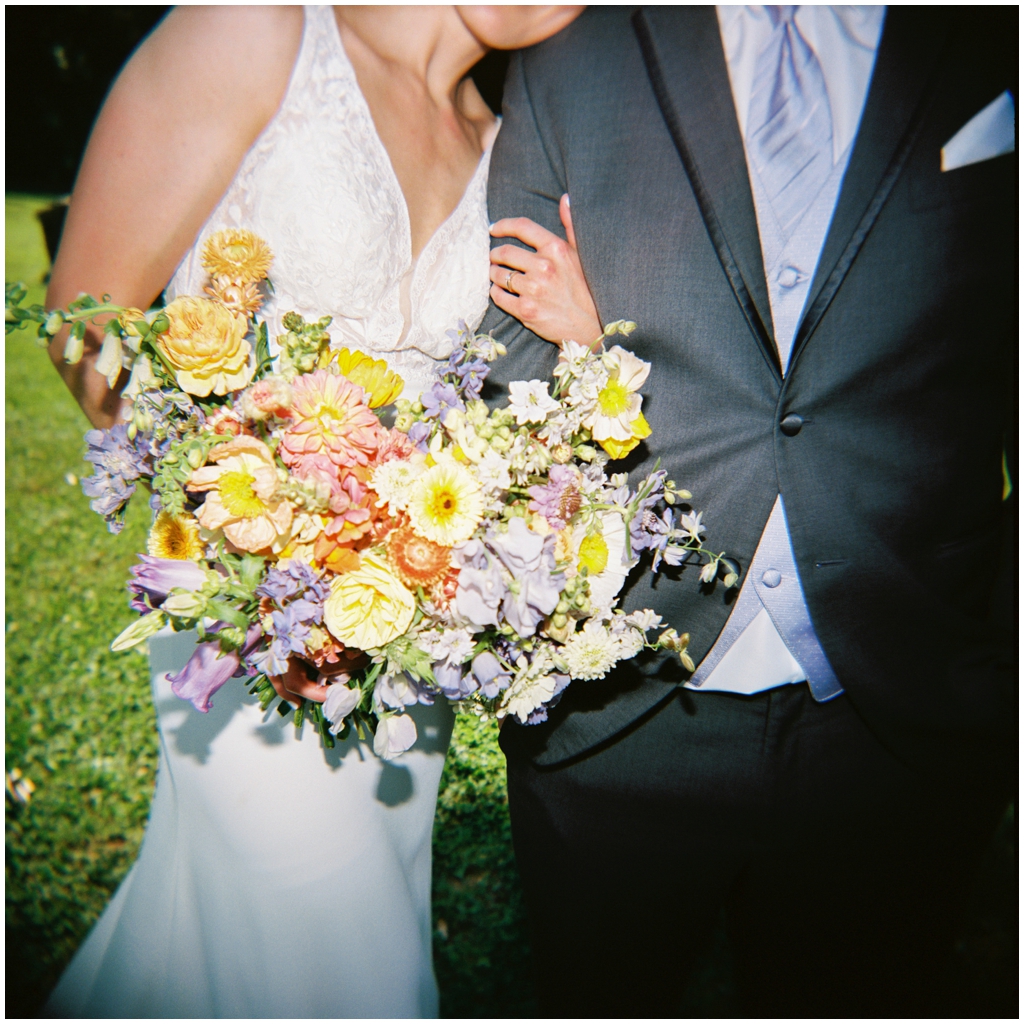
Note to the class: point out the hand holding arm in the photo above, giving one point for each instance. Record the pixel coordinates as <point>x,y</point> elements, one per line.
<point>546,289</point>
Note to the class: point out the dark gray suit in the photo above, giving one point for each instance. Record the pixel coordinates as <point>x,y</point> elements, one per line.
<point>904,372</point>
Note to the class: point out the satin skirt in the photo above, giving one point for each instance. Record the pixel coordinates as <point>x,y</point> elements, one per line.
<point>276,879</point>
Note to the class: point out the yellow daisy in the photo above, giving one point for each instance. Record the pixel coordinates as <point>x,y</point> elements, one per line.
<point>175,537</point>
<point>445,504</point>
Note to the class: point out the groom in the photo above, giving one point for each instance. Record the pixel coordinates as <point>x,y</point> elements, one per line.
<point>811,215</point>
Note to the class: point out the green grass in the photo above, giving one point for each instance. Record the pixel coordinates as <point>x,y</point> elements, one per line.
<point>81,726</point>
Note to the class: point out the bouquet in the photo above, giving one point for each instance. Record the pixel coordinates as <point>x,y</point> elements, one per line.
<point>403,551</point>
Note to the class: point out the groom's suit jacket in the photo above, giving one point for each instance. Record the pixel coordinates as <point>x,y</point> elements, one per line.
<point>904,368</point>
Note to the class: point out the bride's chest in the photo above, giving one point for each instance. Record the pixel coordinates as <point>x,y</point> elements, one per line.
<point>329,205</point>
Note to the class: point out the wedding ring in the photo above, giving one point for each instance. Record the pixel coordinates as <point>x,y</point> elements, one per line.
<point>508,281</point>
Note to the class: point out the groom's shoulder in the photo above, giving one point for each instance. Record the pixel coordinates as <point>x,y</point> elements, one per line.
<point>596,35</point>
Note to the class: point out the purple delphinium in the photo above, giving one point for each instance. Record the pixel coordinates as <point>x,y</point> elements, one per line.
<point>440,399</point>
<point>283,583</point>
<point>558,499</point>
<point>210,668</point>
<point>299,596</point>
<point>119,462</point>
<point>155,578</point>
<point>419,432</point>
<point>472,376</point>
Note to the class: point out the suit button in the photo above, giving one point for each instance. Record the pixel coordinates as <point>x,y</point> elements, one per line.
<point>771,578</point>
<point>791,424</point>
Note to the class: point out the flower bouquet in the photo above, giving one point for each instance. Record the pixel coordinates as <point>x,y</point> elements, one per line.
<point>402,550</point>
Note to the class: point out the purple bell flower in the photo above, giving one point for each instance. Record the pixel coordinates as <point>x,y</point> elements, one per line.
<point>155,578</point>
<point>209,669</point>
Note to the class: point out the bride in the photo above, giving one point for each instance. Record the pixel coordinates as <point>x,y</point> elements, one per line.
<point>271,883</point>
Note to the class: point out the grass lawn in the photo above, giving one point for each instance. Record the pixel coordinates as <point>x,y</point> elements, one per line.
<point>81,726</point>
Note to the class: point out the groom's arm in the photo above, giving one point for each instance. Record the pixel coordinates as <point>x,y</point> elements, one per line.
<point>525,181</point>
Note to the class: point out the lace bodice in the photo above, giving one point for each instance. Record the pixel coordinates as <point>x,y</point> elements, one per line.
<point>319,187</point>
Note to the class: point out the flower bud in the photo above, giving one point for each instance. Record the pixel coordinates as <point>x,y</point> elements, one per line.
<point>54,322</point>
<point>195,457</point>
<point>160,324</point>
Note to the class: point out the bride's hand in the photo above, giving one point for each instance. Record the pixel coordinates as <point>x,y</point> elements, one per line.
<point>545,290</point>
<point>295,684</point>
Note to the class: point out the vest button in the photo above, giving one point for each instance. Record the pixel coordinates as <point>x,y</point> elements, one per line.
<point>771,578</point>
<point>791,424</point>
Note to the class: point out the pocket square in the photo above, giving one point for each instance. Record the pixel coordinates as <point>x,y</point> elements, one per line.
<point>990,133</point>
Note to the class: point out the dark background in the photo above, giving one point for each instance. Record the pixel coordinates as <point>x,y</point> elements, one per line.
<point>60,62</point>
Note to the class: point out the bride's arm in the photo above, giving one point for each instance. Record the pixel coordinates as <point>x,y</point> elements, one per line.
<point>171,135</point>
<point>545,290</point>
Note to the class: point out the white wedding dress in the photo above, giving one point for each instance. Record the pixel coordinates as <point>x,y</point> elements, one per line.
<point>277,879</point>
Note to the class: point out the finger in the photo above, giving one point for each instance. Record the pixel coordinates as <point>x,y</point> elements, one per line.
<point>513,257</point>
<point>282,691</point>
<point>566,215</point>
<point>505,301</point>
<point>525,230</point>
<point>511,281</point>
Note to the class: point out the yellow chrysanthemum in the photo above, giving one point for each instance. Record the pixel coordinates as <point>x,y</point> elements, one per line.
<point>175,537</point>
<point>382,386</point>
<point>237,254</point>
<point>445,504</point>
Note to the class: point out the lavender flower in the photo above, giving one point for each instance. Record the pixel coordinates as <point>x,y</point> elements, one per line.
<point>535,587</point>
<point>294,578</point>
<point>490,675</point>
<point>440,399</point>
<point>559,499</point>
<point>209,669</point>
<point>472,376</point>
<point>452,681</point>
<point>155,578</point>
<point>119,462</point>
<point>481,588</point>
<point>418,434</point>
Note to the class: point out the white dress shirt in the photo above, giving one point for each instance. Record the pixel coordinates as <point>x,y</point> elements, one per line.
<point>845,41</point>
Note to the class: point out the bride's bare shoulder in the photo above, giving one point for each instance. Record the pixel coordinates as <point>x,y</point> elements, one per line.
<point>232,63</point>
<point>178,121</point>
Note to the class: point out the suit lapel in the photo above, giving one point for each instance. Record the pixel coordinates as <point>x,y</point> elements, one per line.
<point>682,49</point>
<point>912,40</point>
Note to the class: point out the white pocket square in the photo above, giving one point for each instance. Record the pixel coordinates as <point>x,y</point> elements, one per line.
<point>988,134</point>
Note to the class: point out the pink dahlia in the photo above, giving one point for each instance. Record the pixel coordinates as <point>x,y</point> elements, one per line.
<point>330,418</point>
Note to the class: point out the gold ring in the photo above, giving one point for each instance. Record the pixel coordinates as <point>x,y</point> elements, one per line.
<point>508,281</point>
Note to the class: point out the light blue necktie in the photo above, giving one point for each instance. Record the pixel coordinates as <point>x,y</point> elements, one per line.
<point>789,122</point>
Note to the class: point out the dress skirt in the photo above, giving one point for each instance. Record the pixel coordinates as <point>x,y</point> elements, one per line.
<point>276,878</point>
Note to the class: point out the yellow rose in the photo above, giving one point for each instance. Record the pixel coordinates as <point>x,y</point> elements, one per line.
<point>368,607</point>
<point>206,346</point>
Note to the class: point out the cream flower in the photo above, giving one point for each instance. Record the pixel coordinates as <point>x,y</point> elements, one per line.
<point>368,607</point>
<point>242,499</point>
<point>445,504</point>
<point>616,416</point>
<point>591,652</point>
<point>205,345</point>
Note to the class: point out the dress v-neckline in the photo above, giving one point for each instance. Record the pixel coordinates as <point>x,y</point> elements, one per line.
<point>414,259</point>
